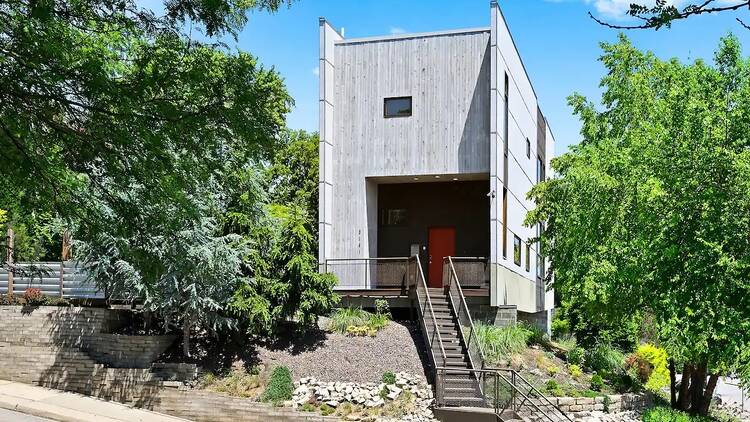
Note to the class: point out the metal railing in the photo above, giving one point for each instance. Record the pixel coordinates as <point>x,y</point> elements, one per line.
<point>369,273</point>
<point>430,331</point>
<point>472,272</point>
<point>458,302</point>
<point>503,390</point>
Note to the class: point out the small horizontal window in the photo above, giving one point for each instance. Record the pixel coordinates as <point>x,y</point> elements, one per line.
<point>397,107</point>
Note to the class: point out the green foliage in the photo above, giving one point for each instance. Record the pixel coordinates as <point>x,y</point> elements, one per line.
<point>575,371</point>
<point>576,356</point>
<point>607,402</point>
<point>238,383</point>
<point>389,377</point>
<point>382,307</point>
<point>651,210</point>
<point>605,358</point>
<point>307,407</point>
<point>285,281</point>
<point>326,410</point>
<point>664,414</point>
<point>567,343</point>
<point>280,386</point>
<point>356,321</point>
<point>553,388</point>
<point>498,343</point>
<point>649,363</point>
<point>560,327</point>
<point>597,382</point>
<point>536,335</point>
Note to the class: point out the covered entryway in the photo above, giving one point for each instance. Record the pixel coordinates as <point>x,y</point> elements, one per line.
<point>433,219</point>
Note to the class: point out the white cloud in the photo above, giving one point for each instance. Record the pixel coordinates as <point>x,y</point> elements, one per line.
<point>396,30</point>
<point>316,71</point>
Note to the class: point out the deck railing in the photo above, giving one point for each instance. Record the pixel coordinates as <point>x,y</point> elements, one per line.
<point>428,322</point>
<point>458,302</point>
<point>369,273</point>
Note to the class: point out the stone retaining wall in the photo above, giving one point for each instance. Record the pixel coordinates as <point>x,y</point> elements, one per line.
<point>127,351</point>
<point>52,347</point>
<point>617,403</point>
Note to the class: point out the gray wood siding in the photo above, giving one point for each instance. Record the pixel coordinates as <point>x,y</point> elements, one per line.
<point>448,78</point>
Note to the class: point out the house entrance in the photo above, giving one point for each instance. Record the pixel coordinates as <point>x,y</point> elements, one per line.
<point>441,243</point>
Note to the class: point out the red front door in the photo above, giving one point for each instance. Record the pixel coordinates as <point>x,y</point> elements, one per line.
<point>441,242</point>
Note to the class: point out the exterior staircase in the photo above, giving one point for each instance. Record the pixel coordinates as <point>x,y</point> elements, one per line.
<point>465,389</point>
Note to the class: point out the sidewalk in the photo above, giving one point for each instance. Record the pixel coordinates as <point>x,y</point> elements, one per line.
<point>71,407</point>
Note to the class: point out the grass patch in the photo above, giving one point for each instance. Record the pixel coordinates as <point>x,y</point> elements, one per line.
<point>237,383</point>
<point>665,414</point>
<point>605,359</point>
<point>357,322</point>
<point>501,342</point>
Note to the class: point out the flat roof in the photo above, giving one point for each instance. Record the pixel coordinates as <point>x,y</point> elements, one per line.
<point>393,37</point>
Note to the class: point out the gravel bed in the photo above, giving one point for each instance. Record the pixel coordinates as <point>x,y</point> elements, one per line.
<point>336,357</point>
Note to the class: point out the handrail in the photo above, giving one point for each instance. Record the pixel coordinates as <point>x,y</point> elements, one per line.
<point>385,258</point>
<point>526,399</point>
<point>531,388</point>
<point>432,312</point>
<point>465,307</point>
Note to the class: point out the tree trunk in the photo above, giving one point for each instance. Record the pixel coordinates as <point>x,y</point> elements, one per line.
<point>697,384</point>
<point>708,396</point>
<point>683,402</point>
<point>186,337</point>
<point>672,384</point>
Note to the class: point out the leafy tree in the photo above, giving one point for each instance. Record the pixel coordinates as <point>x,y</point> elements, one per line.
<point>293,174</point>
<point>651,211</point>
<point>664,13</point>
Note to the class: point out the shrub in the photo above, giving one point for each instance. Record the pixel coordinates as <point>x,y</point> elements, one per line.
<point>536,335</point>
<point>664,414</point>
<point>597,382</point>
<point>33,296</point>
<point>553,388</point>
<point>567,343</point>
<point>500,342</point>
<point>280,386</point>
<point>307,407</point>
<point>552,370</point>
<point>382,307</point>
<point>360,331</point>
<point>326,410</point>
<point>560,328</point>
<point>576,356</point>
<point>606,402</point>
<point>649,364</point>
<point>389,377</point>
<point>575,371</point>
<point>605,358</point>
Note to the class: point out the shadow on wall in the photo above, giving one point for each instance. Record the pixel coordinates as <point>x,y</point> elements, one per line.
<point>474,148</point>
<point>46,346</point>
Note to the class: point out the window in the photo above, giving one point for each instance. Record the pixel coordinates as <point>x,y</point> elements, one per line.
<point>393,217</point>
<point>517,250</point>
<point>505,121</point>
<point>397,107</point>
<point>528,148</point>
<point>528,258</point>
<point>539,170</point>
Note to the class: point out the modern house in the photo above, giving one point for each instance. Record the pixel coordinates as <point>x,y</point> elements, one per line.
<point>429,143</point>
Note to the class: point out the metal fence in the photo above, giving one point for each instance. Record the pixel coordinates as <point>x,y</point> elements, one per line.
<point>369,273</point>
<point>58,279</point>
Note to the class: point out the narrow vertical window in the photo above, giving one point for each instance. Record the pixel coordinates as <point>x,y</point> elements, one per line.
<point>528,148</point>
<point>517,250</point>
<point>505,120</point>
<point>539,170</point>
<point>528,258</point>
<point>505,223</point>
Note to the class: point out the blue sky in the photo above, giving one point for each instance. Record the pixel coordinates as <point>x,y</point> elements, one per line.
<point>557,40</point>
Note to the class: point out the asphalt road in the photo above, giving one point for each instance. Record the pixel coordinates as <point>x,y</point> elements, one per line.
<point>8,416</point>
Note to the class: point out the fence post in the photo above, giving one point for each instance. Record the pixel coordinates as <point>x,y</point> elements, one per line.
<point>66,246</point>
<point>62,279</point>
<point>9,258</point>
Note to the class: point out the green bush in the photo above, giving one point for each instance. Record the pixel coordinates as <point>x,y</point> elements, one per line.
<point>280,386</point>
<point>649,363</point>
<point>576,356</point>
<point>664,414</point>
<point>382,307</point>
<point>536,335</point>
<point>560,328</point>
<point>389,377</point>
<point>553,388</point>
<point>307,407</point>
<point>500,342</point>
<point>326,410</point>
<point>597,382</point>
<point>605,359</point>
<point>575,371</point>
